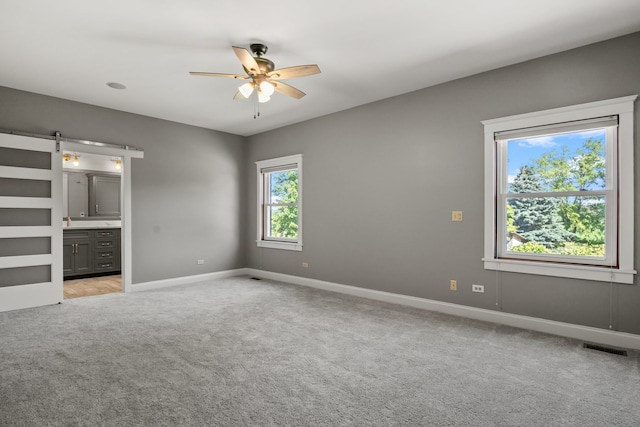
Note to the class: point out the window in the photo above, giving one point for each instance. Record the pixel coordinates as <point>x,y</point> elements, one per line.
<point>280,203</point>
<point>559,192</point>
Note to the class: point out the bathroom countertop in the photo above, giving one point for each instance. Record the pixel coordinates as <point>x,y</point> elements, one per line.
<point>80,225</point>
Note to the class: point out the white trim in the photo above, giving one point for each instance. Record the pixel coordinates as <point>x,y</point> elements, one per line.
<point>125,200</point>
<point>25,173</point>
<point>579,332</point>
<point>608,107</point>
<point>32,295</point>
<point>296,160</point>
<point>583,272</point>
<point>279,161</point>
<point>279,245</point>
<point>26,260</point>
<point>126,235</point>
<point>57,245</point>
<point>623,108</point>
<point>102,150</point>
<point>164,283</point>
<point>27,143</point>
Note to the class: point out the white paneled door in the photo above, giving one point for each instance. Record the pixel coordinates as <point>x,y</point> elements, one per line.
<point>30,222</point>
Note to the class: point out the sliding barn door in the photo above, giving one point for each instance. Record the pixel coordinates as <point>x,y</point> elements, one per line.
<point>30,222</point>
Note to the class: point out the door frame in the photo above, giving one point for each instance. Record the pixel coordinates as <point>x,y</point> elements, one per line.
<point>127,153</point>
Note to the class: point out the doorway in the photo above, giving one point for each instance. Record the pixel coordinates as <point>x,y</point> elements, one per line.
<point>106,219</point>
<point>92,189</point>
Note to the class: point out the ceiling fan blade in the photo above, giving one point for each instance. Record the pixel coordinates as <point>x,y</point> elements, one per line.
<point>232,76</point>
<point>247,60</point>
<point>288,90</point>
<point>292,72</point>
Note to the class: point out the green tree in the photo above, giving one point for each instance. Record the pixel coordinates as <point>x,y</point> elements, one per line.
<point>536,219</point>
<point>563,171</point>
<point>284,189</point>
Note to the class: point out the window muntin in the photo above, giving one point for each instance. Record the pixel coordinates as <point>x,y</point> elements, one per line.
<point>529,125</point>
<point>556,195</point>
<point>280,203</point>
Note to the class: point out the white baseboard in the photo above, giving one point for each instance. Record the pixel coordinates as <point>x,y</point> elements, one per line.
<point>156,284</point>
<point>584,333</point>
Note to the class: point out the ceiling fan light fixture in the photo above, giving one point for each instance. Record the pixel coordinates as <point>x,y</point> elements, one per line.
<point>267,88</point>
<point>262,75</point>
<point>262,97</point>
<point>246,89</point>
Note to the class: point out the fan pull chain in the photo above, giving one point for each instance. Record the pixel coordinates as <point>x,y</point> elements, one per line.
<point>256,108</point>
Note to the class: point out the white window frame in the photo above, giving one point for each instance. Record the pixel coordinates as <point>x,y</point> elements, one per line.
<point>624,272</point>
<point>272,165</point>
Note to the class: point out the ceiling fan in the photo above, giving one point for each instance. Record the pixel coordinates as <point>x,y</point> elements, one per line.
<point>261,74</point>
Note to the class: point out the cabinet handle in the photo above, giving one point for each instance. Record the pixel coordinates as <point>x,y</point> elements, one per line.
<point>96,208</point>
<point>75,248</point>
<point>105,254</point>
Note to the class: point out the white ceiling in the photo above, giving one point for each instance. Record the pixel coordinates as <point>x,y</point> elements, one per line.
<point>367,49</point>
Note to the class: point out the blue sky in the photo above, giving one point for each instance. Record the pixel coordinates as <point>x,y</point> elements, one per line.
<point>522,151</point>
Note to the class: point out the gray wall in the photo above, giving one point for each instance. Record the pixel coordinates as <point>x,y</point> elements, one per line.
<point>381,180</point>
<point>186,192</point>
<point>380,184</point>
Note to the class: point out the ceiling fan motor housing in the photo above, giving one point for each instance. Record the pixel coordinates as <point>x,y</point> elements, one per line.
<point>258,49</point>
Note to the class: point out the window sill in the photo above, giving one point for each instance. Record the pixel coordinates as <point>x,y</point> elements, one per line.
<point>583,272</point>
<point>279,245</point>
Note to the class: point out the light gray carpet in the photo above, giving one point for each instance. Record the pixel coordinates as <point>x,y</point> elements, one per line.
<point>244,352</point>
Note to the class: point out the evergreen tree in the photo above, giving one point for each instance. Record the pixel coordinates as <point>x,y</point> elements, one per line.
<point>584,169</point>
<point>536,219</point>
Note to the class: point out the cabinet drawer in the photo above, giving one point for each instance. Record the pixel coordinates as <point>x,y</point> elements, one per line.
<point>105,233</point>
<point>102,244</point>
<point>76,234</point>
<point>104,265</point>
<point>106,255</point>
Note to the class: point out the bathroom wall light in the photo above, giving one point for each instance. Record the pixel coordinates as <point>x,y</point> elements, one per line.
<point>74,160</point>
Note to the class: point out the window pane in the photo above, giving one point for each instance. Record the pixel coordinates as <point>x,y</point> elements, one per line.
<point>556,225</point>
<point>572,161</point>
<point>282,221</point>
<point>283,187</point>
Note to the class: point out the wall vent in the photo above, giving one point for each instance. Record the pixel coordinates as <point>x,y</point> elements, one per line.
<point>605,349</point>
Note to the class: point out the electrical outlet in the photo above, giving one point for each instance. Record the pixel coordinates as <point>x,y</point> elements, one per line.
<point>456,216</point>
<point>453,285</point>
<point>305,265</point>
<point>477,288</point>
<point>200,261</point>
